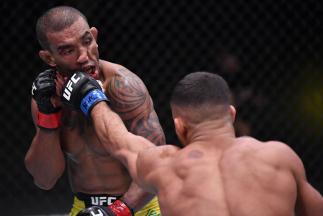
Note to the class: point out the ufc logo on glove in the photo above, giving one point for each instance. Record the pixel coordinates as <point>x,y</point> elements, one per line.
<point>82,92</point>
<point>68,89</point>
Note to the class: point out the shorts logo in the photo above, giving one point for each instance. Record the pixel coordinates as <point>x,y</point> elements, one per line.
<point>68,89</point>
<point>102,201</point>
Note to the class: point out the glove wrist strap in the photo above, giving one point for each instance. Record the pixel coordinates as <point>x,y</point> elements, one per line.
<point>92,98</point>
<point>49,121</point>
<point>119,208</point>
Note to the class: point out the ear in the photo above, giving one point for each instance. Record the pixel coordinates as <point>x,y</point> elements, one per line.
<point>233,113</point>
<point>181,129</point>
<point>47,57</point>
<point>94,32</point>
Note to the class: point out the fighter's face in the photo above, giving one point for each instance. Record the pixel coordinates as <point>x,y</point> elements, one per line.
<point>75,49</point>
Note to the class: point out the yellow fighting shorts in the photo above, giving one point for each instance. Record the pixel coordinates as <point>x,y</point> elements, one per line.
<point>82,201</point>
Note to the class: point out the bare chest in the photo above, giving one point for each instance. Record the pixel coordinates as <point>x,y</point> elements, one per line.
<point>78,137</point>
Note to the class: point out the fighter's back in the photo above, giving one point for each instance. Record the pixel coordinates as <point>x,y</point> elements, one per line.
<point>258,181</point>
<point>240,180</point>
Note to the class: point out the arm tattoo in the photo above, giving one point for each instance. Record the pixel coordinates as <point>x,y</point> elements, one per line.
<point>131,100</point>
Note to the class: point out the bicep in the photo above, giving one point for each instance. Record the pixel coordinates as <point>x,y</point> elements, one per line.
<point>309,201</point>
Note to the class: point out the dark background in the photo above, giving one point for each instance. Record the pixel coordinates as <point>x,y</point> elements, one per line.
<point>270,52</point>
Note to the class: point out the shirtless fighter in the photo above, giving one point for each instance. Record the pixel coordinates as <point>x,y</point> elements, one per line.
<point>65,138</point>
<point>215,173</point>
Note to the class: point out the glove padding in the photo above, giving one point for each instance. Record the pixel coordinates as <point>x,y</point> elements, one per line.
<point>82,92</point>
<point>117,208</point>
<point>93,211</point>
<point>43,88</point>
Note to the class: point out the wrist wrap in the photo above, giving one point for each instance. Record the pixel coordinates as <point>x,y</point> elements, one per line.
<point>49,121</point>
<point>92,98</point>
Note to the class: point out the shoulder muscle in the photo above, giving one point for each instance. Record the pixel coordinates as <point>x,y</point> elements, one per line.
<point>151,160</point>
<point>284,156</point>
<point>130,99</point>
<point>128,94</point>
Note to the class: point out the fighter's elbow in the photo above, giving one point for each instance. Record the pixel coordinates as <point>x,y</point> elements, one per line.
<point>28,164</point>
<point>44,179</point>
<point>45,185</point>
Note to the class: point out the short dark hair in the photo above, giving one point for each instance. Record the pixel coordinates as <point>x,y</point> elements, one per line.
<point>55,19</point>
<point>204,93</point>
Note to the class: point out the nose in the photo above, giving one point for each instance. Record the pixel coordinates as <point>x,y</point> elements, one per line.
<point>83,55</point>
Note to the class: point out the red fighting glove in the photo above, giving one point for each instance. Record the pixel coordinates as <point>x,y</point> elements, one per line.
<point>119,208</point>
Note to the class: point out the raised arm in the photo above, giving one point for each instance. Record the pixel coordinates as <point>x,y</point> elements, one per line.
<point>44,159</point>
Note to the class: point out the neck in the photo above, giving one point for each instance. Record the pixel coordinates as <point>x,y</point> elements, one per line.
<point>219,131</point>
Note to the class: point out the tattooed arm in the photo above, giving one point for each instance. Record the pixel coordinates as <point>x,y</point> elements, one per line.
<point>130,99</point>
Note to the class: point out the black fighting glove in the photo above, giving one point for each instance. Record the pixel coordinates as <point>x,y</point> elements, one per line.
<point>82,92</point>
<point>43,88</point>
<point>117,208</point>
<point>93,211</point>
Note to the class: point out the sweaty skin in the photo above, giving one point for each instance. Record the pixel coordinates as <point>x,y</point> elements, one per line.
<point>75,145</point>
<point>215,173</point>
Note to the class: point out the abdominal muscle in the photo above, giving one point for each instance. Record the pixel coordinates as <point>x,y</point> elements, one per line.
<point>90,167</point>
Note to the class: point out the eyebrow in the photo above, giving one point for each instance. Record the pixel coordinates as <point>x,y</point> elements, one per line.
<point>62,47</point>
<point>66,46</point>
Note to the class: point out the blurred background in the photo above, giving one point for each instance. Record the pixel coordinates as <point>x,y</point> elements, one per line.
<point>270,52</point>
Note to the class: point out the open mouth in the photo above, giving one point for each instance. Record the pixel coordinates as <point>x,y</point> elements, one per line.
<point>90,70</point>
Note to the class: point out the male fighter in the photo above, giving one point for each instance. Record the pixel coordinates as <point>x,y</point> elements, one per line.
<point>65,138</point>
<point>215,173</point>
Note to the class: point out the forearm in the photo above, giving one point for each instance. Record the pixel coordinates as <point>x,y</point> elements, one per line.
<point>45,160</point>
<point>109,128</point>
<point>115,137</point>
<point>136,198</point>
